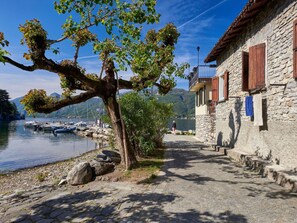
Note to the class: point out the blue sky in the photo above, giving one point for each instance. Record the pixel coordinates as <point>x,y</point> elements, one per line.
<point>200,22</point>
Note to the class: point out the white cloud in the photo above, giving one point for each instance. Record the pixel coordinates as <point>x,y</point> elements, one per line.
<point>18,83</point>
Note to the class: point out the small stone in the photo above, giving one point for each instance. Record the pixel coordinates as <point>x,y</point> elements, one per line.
<point>114,156</point>
<point>102,158</point>
<point>62,182</point>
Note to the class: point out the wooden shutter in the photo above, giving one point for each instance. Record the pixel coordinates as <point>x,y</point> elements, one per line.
<point>226,85</point>
<point>252,70</point>
<point>257,66</point>
<point>295,49</point>
<point>261,61</point>
<point>215,89</point>
<point>245,71</point>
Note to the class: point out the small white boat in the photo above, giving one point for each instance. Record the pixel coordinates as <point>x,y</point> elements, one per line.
<point>64,130</point>
<point>81,124</point>
<point>30,124</point>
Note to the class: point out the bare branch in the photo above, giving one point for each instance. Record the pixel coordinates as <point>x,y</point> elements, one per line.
<point>103,66</point>
<point>68,71</point>
<point>124,84</point>
<point>67,101</point>
<point>51,42</point>
<point>76,54</point>
<point>19,65</point>
<point>51,66</point>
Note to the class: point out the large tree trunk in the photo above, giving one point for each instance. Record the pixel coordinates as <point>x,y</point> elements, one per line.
<point>128,157</point>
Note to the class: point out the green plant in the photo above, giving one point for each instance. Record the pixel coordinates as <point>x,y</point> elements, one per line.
<point>41,176</point>
<point>146,121</point>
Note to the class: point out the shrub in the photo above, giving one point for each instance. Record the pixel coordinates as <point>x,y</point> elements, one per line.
<point>146,120</point>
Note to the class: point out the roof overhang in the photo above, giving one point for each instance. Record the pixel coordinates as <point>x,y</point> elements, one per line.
<point>201,82</point>
<point>252,8</point>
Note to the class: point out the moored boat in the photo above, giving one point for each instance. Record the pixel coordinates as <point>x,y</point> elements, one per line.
<point>65,130</point>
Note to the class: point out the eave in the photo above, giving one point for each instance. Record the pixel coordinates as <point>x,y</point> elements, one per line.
<point>250,11</point>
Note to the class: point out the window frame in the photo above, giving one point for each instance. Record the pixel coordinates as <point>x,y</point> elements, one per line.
<point>221,95</point>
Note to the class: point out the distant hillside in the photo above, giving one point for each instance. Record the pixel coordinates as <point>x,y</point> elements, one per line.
<point>88,109</point>
<point>183,104</point>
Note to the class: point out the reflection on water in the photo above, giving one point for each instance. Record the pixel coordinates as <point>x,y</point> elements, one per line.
<point>20,147</point>
<point>3,135</point>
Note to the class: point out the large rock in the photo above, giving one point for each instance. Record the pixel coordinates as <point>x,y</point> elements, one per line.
<point>101,168</point>
<point>114,156</point>
<point>80,174</point>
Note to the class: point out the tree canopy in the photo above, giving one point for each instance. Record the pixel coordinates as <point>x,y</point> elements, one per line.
<point>7,109</point>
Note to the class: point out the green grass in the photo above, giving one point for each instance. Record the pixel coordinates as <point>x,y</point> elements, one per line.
<point>41,176</point>
<point>147,168</point>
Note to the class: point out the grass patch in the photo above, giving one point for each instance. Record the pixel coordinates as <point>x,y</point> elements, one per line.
<point>147,168</point>
<point>41,176</point>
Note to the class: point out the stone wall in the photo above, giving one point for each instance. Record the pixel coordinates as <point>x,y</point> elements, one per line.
<point>277,139</point>
<point>205,128</point>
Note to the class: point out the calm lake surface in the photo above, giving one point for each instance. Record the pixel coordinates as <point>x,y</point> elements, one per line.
<point>183,124</point>
<point>21,148</point>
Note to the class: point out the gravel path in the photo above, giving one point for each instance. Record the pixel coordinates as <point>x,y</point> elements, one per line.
<point>196,185</point>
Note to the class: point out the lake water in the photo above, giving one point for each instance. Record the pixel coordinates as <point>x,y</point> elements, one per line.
<point>183,124</point>
<point>21,148</point>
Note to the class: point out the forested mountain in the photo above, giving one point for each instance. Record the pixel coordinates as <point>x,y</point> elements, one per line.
<point>183,104</point>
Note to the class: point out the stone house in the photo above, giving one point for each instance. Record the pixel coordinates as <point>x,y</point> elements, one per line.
<point>200,80</point>
<point>257,57</point>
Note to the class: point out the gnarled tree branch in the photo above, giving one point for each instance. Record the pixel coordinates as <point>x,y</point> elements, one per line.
<point>19,65</point>
<point>67,101</point>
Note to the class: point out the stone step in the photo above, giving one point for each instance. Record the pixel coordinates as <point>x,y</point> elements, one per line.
<point>277,173</point>
<point>221,149</point>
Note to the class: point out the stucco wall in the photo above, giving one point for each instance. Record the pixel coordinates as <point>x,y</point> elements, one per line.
<point>277,139</point>
<point>201,110</point>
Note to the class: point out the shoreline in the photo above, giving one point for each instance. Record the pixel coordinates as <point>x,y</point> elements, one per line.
<point>46,164</point>
<point>49,174</point>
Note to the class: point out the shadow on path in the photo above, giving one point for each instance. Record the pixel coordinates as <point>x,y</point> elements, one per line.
<point>138,207</point>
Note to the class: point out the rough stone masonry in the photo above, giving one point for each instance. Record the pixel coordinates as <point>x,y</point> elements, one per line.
<point>277,139</point>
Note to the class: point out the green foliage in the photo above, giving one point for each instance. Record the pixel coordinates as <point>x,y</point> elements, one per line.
<point>151,60</point>
<point>146,121</point>
<point>34,36</point>
<point>7,110</point>
<point>82,37</point>
<point>3,43</point>
<point>35,99</point>
<point>68,83</point>
<point>41,176</point>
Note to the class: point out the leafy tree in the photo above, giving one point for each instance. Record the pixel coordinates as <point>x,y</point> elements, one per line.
<point>7,109</point>
<point>146,120</point>
<point>150,58</point>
